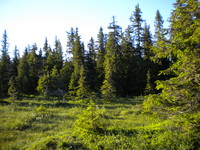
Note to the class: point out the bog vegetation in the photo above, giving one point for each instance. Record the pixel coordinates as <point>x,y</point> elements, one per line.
<point>127,90</point>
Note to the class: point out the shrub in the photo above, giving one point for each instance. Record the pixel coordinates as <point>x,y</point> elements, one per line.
<point>90,121</point>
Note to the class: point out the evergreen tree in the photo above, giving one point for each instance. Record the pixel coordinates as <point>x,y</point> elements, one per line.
<point>58,54</point>
<point>15,62</point>
<point>101,52</point>
<point>34,69</point>
<point>112,62</point>
<point>149,85</point>
<point>160,32</point>
<point>127,63</point>
<point>147,42</point>
<point>5,66</point>
<point>49,84</point>
<point>150,70</point>
<point>83,90</point>
<point>138,64</point>
<point>47,60</point>
<point>46,49</point>
<point>182,90</point>
<point>65,75</point>
<point>90,66</point>
<point>50,60</point>
<point>41,63</point>
<point>44,83</point>
<point>160,44</point>
<point>23,73</point>
<point>70,40</point>
<point>13,89</point>
<point>136,19</point>
<point>78,61</point>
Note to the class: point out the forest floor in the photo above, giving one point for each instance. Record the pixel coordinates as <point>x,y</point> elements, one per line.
<point>42,124</point>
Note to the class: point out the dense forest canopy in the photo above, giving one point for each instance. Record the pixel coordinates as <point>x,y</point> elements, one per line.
<point>119,64</point>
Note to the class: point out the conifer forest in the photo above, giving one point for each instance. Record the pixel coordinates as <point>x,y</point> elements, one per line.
<point>130,89</point>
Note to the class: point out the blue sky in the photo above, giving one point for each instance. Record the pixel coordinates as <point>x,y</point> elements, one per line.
<point>30,21</point>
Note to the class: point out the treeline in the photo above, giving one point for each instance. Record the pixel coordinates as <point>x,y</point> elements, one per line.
<point>118,64</point>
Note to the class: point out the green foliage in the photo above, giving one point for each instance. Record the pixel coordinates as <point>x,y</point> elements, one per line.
<point>5,66</point>
<point>23,74</point>
<point>91,67</point>
<point>50,84</point>
<point>22,122</point>
<point>13,89</point>
<point>40,109</point>
<point>89,122</point>
<point>42,125</point>
<point>112,62</point>
<point>101,51</point>
<point>83,90</point>
<point>168,120</point>
<point>149,86</point>
<point>182,90</point>
<point>136,19</point>
<point>77,60</point>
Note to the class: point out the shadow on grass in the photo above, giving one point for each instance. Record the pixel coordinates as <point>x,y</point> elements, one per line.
<point>125,132</point>
<point>2,102</point>
<point>48,104</point>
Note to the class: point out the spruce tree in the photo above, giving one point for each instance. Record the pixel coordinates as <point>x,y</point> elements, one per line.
<point>65,75</point>
<point>49,84</point>
<point>127,63</point>
<point>139,68</point>
<point>70,40</point>
<point>5,66</point>
<point>112,62</point>
<point>158,26</point>
<point>15,62</point>
<point>58,59</point>
<point>13,91</point>
<point>101,52</point>
<point>149,89</point>
<point>90,66</point>
<point>160,43</point>
<point>136,27</point>
<point>150,70</point>
<point>46,49</point>
<point>78,62</point>
<point>83,89</point>
<point>47,60</point>
<point>41,63</point>
<point>34,68</point>
<point>147,43</point>
<point>50,60</point>
<point>23,73</point>
<point>182,90</point>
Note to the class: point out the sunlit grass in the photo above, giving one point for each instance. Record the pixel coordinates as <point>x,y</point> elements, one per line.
<point>33,124</point>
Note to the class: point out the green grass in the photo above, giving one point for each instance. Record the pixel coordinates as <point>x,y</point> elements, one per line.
<point>40,124</point>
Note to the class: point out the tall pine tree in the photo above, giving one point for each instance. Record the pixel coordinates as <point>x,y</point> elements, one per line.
<point>5,66</point>
<point>112,62</point>
<point>101,52</point>
<point>136,27</point>
<point>183,90</point>
<point>23,73</point>
<point>160,44</point>
<point>90,66</point>
<point>77,60</point>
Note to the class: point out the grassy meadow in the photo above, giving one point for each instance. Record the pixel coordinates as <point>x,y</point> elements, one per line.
<point>50,124</point>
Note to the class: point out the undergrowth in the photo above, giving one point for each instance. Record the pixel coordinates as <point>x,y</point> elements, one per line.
<point>41,125</point>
